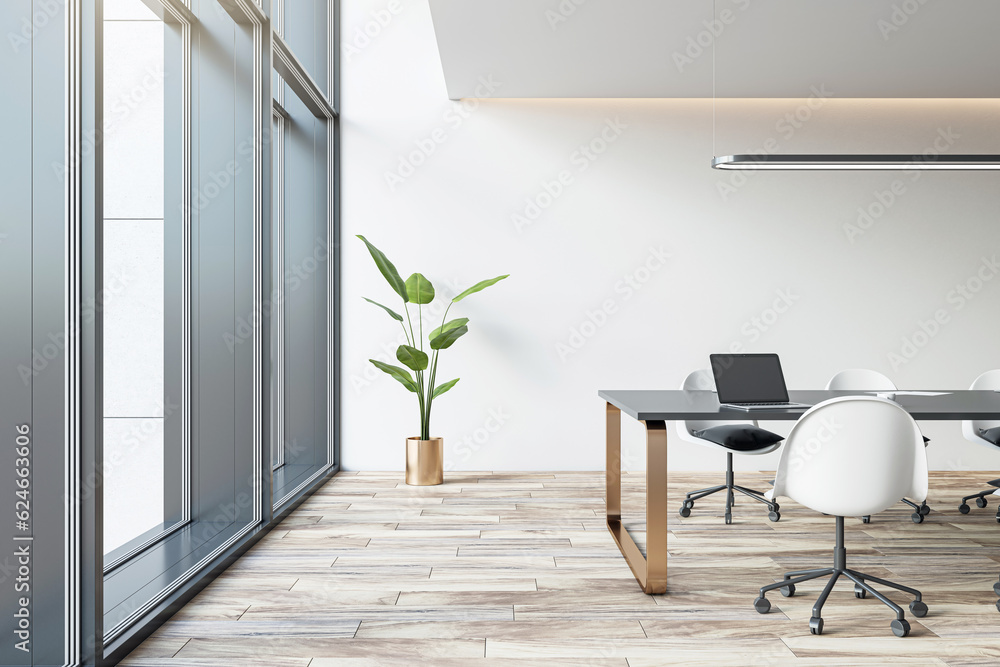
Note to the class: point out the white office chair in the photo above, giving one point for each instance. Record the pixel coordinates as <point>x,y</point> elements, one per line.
<point>862,379</point>
<point>850,456</point>
<point>742,437</point>
<point>986,433</point>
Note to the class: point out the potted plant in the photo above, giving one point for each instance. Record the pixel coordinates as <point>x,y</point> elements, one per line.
<point>424,454</point>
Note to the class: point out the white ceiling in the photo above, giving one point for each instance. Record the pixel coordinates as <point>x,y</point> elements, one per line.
<point>768,48</point>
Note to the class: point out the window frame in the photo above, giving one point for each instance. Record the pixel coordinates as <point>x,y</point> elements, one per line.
<point>176,13</point>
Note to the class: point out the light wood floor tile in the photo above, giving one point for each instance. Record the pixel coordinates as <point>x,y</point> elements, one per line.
<point>518,569</point>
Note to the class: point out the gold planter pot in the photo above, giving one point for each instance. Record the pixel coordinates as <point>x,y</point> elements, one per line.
<point>424,461</point>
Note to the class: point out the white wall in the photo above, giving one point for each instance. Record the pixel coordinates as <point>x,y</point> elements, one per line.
<point>854,297</point>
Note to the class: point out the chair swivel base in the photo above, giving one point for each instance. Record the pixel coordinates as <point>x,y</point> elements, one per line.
<point>919,511</point>
<point>862,588</point>
<point>730,487</point>
<point>980,499</point>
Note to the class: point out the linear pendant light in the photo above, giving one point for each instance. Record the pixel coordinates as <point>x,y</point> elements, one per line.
<point>857,162</point>
<point>818,162</point>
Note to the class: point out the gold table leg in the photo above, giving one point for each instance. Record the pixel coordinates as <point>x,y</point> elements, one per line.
<point>651,571</point>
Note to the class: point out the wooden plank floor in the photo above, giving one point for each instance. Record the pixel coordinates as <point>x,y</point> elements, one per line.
<point>509,568</point>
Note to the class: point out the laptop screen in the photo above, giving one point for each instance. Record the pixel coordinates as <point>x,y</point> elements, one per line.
<point>749,378</point>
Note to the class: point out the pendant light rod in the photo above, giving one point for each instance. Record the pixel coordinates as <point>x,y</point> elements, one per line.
<point>842,162</point>
<point>858,162</point>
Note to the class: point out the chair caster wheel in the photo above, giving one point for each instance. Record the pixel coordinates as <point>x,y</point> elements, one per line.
<point>729,518</point>
<point>816,625</point>
<point>762,605</point>
<point>859,592</point>
<point>981,502</point>
<point>917,517</point>
<point>689,504</point>
<point>963,508</point>
<point>775,507</point>
<point>774,516</point>
<point>900,627</point>
<point>998,517</point>
<point>925,509</point>
<point>918,609</point>
<point>789,590</point>
<point>866,519</point>
<point>996,588</point>
<point>684,511</point>
<point>998,605</point>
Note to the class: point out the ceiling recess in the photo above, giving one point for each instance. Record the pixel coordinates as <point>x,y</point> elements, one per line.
<point>663,49</point>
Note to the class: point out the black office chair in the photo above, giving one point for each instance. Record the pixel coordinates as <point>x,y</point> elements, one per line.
<point>986,433</point>
<point>731,437</point>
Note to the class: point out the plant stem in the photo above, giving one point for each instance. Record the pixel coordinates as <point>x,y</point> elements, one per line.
<point>420,375</point>
<point>430,390</point>
<point>426,423</point>
<point>408,321</point>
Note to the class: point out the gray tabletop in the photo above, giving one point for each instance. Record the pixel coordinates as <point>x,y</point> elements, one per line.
<point>670,405</point>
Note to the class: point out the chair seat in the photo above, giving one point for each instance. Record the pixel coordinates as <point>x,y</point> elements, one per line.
<point>739,437</point>
<point>990,434</point>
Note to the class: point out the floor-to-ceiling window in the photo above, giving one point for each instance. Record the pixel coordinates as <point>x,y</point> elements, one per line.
<point>218,250</point>
<point>303,151</point>
<point>143,277</point>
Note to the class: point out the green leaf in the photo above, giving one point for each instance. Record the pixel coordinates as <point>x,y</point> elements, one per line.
<point>441,388</point>
<point>447,326</point>
<point>387,269</point>
<point>412,358</point>
<point>444,339</point>
<point>419,289</point>
<point>396,316</point>
<point>478,287</point>
<point>401,374</point>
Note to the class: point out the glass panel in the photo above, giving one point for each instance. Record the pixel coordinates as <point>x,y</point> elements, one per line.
<point>277,313</point>
<point>142,281</point>
<point>304,252</point>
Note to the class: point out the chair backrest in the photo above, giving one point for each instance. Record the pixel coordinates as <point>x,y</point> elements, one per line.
<point>970,429</point>
<point>853,456</point>
<point>860,379</point>
<point>700,380</point>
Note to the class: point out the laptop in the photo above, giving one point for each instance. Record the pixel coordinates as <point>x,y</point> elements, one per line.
<point>751,382</point>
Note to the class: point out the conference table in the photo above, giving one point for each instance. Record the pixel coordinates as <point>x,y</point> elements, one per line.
<point>654,408</point>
